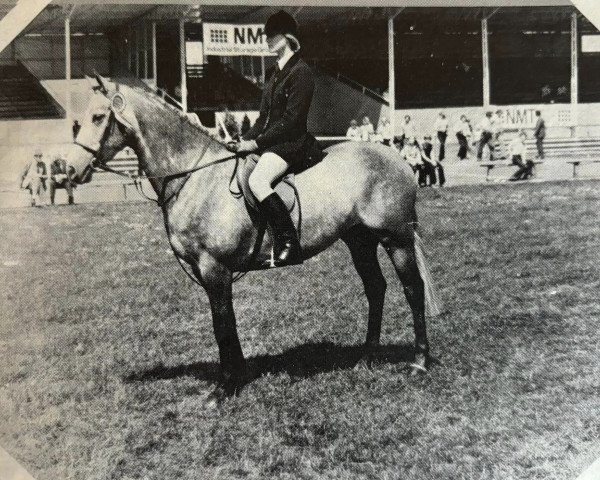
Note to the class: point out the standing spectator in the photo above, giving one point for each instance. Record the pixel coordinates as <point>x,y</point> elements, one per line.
<point>246,125</point>
<point>518,153</point>
<point>354,132</point>
<point>463,133</point>
<point>367,130</point>
<point>497,123</point>
<point>60,177</point>
<point>33,178</point>
<point>539,134</point>
<point>385,132</point>
<point>76,128</point>
<point>441,127</point>
<point>486,136</point>
<point>409,129</point>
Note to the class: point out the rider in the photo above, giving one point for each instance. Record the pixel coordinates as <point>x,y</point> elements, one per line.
<point>280,134</point>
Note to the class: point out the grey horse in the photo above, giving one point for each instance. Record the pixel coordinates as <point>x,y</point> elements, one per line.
<point>361,193</point>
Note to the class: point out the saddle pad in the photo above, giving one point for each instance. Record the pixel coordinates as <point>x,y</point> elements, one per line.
<point>284,188</point>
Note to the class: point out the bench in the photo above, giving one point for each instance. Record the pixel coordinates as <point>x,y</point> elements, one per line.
<point>491,165</point>
<point>577,163</point>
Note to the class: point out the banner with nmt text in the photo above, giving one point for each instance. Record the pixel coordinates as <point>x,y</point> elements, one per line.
<point>233,40</point>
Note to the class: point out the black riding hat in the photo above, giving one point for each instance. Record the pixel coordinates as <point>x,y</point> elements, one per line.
<point>284,24</point>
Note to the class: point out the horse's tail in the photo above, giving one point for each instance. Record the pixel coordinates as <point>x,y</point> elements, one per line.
<point>433,303</point>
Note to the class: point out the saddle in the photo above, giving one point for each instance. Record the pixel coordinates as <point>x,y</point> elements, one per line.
<point>285,188</point>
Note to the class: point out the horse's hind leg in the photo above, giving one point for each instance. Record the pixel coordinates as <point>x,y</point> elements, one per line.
<point>363,248</point>
<point>403,256</point>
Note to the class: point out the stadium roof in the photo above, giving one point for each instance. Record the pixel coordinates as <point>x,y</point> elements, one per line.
<point>99,15</point>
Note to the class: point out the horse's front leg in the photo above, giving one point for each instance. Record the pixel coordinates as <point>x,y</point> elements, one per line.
<point>217,281</point>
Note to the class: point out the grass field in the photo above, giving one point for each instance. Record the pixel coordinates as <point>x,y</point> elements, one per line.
<point>107,351</point>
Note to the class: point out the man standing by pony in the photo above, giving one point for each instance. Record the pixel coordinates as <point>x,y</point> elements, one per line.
<point>280,135</point>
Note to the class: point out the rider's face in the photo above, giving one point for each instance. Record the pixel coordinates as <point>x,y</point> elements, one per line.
<point>276,43</point>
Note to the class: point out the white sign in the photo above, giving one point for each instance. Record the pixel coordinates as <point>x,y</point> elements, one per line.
<point>226,39</point>
<point>194,54</point>
<point>590,43</point>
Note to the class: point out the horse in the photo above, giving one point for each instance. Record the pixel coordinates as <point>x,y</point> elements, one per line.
<point>362,193</point>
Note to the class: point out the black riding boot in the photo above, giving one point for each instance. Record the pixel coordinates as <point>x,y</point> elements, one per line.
<point>286,245</point>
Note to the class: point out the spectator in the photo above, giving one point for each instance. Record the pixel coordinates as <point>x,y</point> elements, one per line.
<point>367,130</point>
<point>518,153</point>
<point>409,129</point>
<point>411,153</point>
<point>497,123</point>
<point>441,127</point>
<point>385,132</point>
<point>427,173</point>
<point>539,134</point>
<point>486,136</point>
<point>354,132</point>
<point>33,178</point>
<point>60,177</point>
<point>245,124</point>
<point>76,128</point>
<point>463,133</point>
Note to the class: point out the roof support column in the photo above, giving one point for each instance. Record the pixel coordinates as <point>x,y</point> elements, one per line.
<point>145,32</point>
<point>182,62</point>
<point>574,60</point>
<point>485,55</point>
<point>392,73</point>
<point>154,67</point>
<point>68,107</point>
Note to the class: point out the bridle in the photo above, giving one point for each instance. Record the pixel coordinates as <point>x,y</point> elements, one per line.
<point>114,119</point>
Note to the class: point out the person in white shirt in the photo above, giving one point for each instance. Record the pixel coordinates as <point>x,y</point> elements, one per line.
<point>409,129</point>
<point>385,132</point>
<point>518,153</point>
<point>354,132</point>
<point>463,131</point>
<point>367,129</point>
<point>486,137</point>
<point>412,154</point>
<point>497,123</point>
<point>441,127</point>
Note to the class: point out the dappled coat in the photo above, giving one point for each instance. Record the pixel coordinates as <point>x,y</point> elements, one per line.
<point>281,127</point>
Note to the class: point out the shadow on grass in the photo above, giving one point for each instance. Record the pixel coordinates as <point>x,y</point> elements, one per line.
<point>299,362</point>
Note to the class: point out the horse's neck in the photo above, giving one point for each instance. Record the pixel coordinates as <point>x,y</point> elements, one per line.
<point>169,146</point>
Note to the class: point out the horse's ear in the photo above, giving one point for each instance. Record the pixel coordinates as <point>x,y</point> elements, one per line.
<point>101,83</point>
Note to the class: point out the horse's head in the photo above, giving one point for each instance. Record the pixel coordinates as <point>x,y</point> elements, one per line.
<point>107,126</point>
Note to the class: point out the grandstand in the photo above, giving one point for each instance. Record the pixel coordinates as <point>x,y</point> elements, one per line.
<point>463,57</point>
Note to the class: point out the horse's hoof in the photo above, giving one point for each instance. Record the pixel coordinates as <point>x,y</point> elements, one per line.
<point>419,366</point>
<point>416,369</point>
<point>214,399</point>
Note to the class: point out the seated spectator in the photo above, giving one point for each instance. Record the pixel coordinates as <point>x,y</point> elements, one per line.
<point>411,153</point>
<point>33,178</point>
<point>518,153</point>
<point>385,131</point>
<point>367,130</point>
<point>61,177</point>
<point>354,132</point>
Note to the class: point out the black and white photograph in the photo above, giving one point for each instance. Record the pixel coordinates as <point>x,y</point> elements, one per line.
<point>335,239</point>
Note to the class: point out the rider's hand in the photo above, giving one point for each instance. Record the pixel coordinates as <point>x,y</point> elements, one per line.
<point>247,146</point>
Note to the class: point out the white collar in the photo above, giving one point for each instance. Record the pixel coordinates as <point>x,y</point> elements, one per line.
<point>283,60</point>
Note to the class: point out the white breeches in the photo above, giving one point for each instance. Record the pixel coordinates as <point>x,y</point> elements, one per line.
<point>270,168</point>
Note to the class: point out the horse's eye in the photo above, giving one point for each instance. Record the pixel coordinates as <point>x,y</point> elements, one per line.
<point>97,118</point>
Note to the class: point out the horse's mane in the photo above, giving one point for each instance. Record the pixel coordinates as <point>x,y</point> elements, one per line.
<point>153,96</point>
